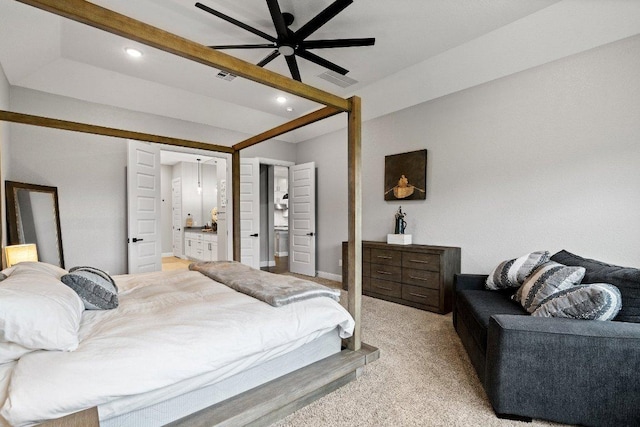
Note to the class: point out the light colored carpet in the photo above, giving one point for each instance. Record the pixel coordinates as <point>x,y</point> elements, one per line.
<point>423,377</point>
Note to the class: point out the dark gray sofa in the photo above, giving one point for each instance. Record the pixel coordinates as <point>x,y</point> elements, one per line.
<point>564,370</point>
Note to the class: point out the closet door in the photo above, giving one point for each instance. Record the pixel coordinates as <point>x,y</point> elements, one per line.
<point>143,198</point>
<point>250,212</point>
<point>302,219</point>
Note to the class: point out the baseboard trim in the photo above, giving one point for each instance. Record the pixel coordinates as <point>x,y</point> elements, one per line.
<point>267,264</point>
<point>330,276</point>
<point>167,254</point>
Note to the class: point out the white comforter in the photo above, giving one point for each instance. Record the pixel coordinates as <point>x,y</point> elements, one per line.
<point>170,327</point>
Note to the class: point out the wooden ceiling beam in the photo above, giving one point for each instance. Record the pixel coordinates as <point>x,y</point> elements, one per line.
<point>312,117</point>
<point>115,23</point>
<point>29,119</point>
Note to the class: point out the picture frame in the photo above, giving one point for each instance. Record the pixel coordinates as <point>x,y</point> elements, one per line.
<point>405,176</point>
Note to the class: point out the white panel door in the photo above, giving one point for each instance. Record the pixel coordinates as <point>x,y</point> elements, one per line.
<point>143,198</point>
<point>302,219</point>
<point>250,212</point>
<point>176,216</point>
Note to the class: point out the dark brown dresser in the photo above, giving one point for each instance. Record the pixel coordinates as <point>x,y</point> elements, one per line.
<point>419,276</point>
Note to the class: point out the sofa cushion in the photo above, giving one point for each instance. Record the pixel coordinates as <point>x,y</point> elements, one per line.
<point>512,273</point>
<point>626,279</point>
<point>596,301</point>
<point>475,308</point>
<point>545,281</point>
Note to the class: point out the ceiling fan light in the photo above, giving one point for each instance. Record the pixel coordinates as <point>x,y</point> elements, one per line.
<point>134,53</point>
<point>286,50</point>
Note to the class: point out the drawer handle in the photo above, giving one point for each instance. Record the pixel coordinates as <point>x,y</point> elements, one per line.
<point>384,257</point>
<point>384,272</point>
<point>419,261</point>
<point>382,287</point>
<point>418,295</point>
<point>419,278</point>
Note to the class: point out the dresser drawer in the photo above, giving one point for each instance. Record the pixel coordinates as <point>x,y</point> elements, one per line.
<point>366,283</point>
<point>366,254</point>
<point>421,295</point>
<point>366,269</point>
<point>384,287</point>
<point>387,257</point>
<point>420,261</point>
<point>424,278</point>
<point>386,272</point>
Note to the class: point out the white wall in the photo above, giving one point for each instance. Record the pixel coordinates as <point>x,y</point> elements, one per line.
<point>544,159</point>
<point>89,170</point>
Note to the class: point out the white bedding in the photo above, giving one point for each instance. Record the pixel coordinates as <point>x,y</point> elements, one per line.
<point>170,327</point>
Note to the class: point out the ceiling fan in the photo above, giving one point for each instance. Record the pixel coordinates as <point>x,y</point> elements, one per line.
<point>290,43</point>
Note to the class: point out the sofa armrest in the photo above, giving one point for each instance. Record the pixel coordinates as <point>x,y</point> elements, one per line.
<point>571,371</point>
<point>465,281</point>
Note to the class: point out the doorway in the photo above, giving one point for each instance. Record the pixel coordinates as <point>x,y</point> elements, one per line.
<point>194,214</point>
<point>274,218</point>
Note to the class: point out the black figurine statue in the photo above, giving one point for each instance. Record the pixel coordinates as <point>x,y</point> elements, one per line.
<point>401,224</point>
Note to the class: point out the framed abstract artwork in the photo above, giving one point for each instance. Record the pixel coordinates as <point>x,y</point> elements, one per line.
<point>405,176</point>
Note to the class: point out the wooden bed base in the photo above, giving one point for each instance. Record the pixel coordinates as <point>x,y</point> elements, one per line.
<point>267,403</point>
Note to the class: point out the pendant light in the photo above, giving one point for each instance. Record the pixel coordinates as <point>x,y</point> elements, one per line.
<point>199,183</point>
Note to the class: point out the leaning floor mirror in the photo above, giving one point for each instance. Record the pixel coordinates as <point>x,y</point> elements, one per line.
<point>33,217</point>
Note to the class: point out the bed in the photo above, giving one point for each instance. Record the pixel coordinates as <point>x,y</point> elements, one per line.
<point>178,342</point>
<point>318,378</point>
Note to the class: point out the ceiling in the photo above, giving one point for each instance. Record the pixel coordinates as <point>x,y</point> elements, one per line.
<point>424,49</point>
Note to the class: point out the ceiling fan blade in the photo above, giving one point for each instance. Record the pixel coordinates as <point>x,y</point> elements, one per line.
<point>321,61</point>
<point>322,18</point>
<point>273,55</point>
<point>278,19</point>
<point>235,22</point>
<point>293,67</point>
<point>320,44</point>
<point>244,46</point>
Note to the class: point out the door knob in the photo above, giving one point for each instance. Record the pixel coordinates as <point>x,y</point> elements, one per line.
<point>135,239</point>
<point>253,235</point>
<point>310,234</point>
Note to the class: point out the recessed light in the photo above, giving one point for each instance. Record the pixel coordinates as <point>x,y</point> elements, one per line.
<point>281,99</point>
<point>289,109</point>
<point>135,53</point>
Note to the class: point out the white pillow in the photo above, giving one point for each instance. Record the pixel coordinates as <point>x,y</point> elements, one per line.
<point>10,351</point>
<point>35,267</point>
<point>38,311</point>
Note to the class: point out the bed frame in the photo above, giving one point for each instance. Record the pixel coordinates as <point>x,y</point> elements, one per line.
<point>267,403</point>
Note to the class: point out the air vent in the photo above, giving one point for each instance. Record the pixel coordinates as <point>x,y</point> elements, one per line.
<point>226,76</point>
<point>337,79</point>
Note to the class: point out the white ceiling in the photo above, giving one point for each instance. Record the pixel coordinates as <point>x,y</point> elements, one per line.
<point>424,49</point>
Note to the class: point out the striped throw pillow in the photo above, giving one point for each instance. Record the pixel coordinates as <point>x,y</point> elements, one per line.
<point>595,301</point>
<point>95,287</point>
<point>512,273</point>
<point>548,279</point>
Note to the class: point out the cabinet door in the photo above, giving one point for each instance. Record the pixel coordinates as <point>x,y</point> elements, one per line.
<point>188,248</point>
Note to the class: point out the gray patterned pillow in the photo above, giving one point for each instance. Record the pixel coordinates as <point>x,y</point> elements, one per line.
<point>595,301</point>
<point>548,279</point>
<point>512,273</point>
<point>96,288</point>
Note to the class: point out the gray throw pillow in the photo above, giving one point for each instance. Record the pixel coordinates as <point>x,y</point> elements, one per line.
<point>512,273</point>
<point>96,288</point>
<point>595,301</point>
<point>626,279</point>
<point>548,279</point>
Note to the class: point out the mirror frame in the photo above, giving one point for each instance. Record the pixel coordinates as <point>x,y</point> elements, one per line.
<point>11,188</point>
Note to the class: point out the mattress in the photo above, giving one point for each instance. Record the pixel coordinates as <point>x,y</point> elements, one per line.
<point>173,332</point>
